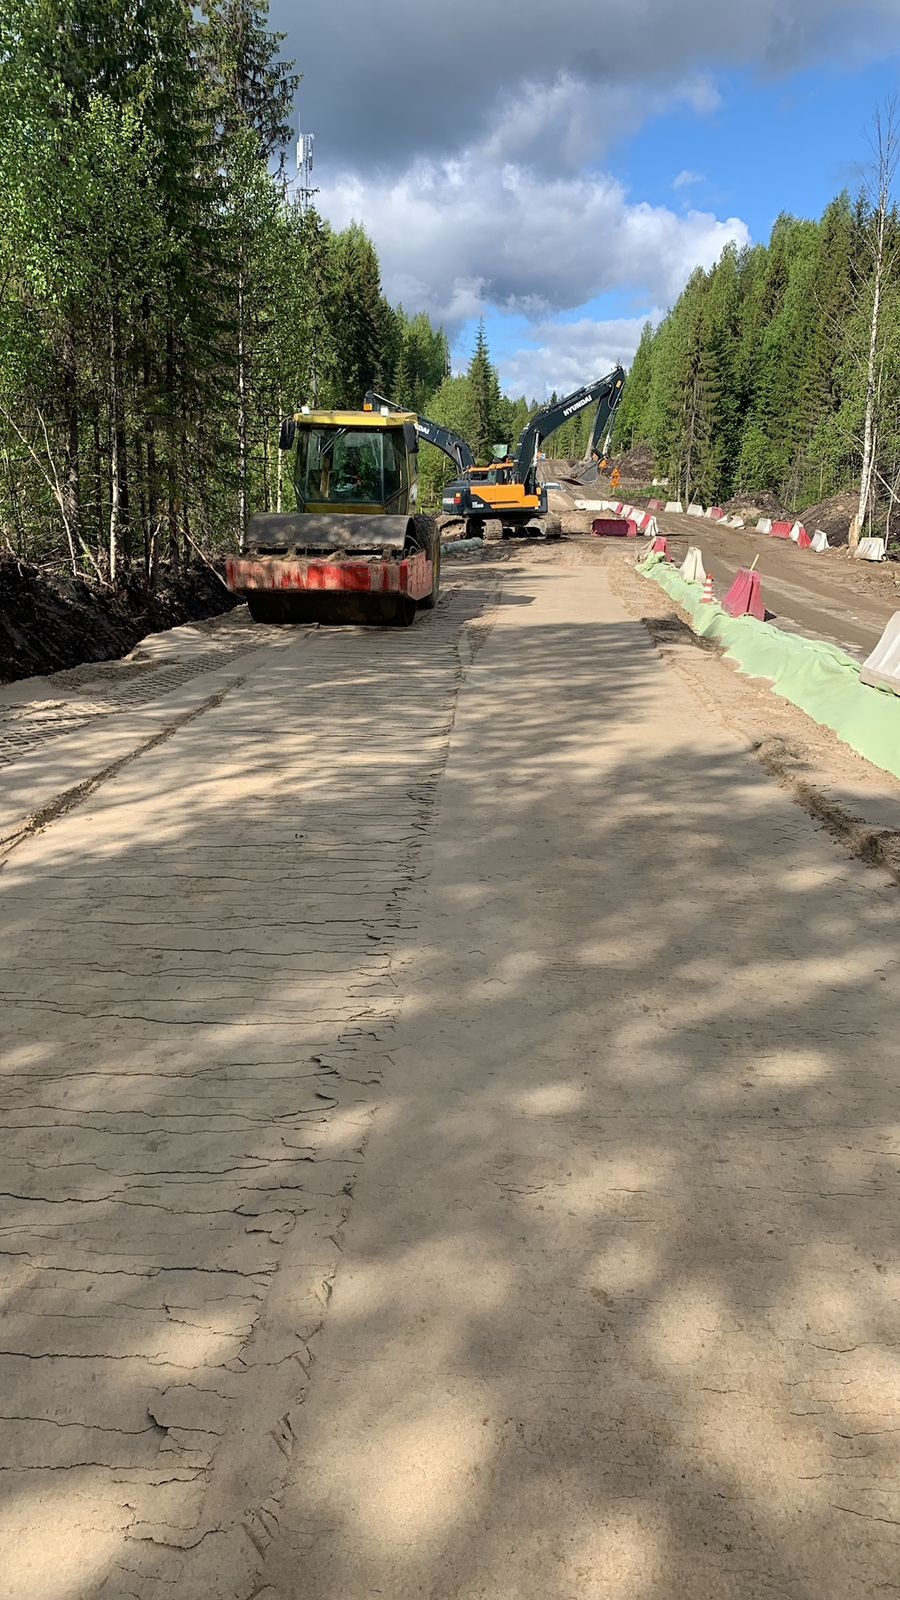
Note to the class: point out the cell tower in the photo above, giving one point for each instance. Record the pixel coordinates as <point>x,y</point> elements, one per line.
<point>305,191</point>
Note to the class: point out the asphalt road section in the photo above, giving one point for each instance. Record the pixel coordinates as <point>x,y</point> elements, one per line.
<point>449,1134</point>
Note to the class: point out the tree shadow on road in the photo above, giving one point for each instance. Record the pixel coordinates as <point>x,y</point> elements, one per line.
<point>624,1231</point>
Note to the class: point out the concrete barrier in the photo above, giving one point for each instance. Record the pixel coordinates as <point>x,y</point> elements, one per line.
<point>692,568</point>
<point>654,505</point>
<point>781,530</point>
<point>674,507</point>
<point>650,529</point>
<point>882,667</point>
<point>744,598</point>
<point>870,550</point>
<point>661,547</point>
<point>819,542</point>
<point>594,505</point>
<point>796,530</point>
<point>764,525</point>
<point>695,511</point>
<point>733,522</point>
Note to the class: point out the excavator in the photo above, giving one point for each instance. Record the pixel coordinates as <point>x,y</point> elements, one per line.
<point>452,444</point>
<point>355,549</point>
<point>510,490</point>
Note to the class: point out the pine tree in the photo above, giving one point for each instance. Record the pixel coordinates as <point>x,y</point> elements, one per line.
<point>484,392</point>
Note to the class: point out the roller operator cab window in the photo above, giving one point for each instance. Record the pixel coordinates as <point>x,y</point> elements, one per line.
<point>350,466</point>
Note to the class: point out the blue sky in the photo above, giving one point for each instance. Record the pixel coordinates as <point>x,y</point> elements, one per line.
<point>773,145</point>
<point>538,185</point>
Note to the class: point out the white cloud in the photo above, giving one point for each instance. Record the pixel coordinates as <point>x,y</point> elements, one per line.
<point>688,179</point>
<point>564,355</point>
<point>455,235</point>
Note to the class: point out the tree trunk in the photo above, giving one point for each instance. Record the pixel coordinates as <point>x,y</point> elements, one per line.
<point>97,476</point>
<point>123,519</point>
<point>242,416</point>
<point>172,452</point>
<point>279,469</point>
<point>886,147</point>
<point>114,484</point>
<point>868,460</point>
<point>72,484</point>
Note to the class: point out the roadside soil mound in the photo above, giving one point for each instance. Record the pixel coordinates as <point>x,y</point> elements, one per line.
<point>50,621</point>
<point>753,506</point>
<point>637,464</point>
<point>833,516</point>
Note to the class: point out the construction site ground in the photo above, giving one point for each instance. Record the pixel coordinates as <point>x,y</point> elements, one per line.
<point>450,1110</point>
<point>827,596</point>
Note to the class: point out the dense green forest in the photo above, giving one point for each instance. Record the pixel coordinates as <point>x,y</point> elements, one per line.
<point>164,300</point>
<point>757,379</point>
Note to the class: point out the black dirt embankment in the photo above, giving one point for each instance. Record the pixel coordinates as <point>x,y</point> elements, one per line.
<point>50,621</point>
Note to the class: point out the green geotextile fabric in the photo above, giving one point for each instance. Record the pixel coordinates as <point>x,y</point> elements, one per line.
<point>818,677</point>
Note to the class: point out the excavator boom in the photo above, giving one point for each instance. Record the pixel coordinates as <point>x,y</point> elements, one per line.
<point>516,496</point>
<point>452,444</point>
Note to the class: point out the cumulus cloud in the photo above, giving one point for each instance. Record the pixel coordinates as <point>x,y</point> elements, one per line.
<point>564,355</point>
<point>454,235</point>
<point>382,88</point>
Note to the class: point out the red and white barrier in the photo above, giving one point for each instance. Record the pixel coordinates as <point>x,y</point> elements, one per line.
<point>870,550</point>
<point>744,598</point>
<point>716,513</point>
<point>882,669</point>
<point>796,531</point>
<point>692,569</point>
<point>804,542</point>
<point>613,528</point>
<point>655,505</point>
<point>781,530</point>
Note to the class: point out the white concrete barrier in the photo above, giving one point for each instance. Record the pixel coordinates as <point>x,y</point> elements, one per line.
<point>764,525</point>
<point>870,550</point>
<point>674,507</point>
<point>733,522</point>
<point>819,542</point>
<point>692,569</point>
<point>594,505</point>
<point>882,668</point>
<point>695,511</point>
<point>651,529</point>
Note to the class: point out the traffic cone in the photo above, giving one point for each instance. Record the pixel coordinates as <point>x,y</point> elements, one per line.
<point>707,597</point>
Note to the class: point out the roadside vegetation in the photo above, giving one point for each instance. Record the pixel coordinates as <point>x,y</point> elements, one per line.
<point>777,370</point>
<point>163,298</point>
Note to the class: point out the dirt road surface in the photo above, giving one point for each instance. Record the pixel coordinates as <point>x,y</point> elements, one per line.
<point>450,1131</point>
<point>824,597</point>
